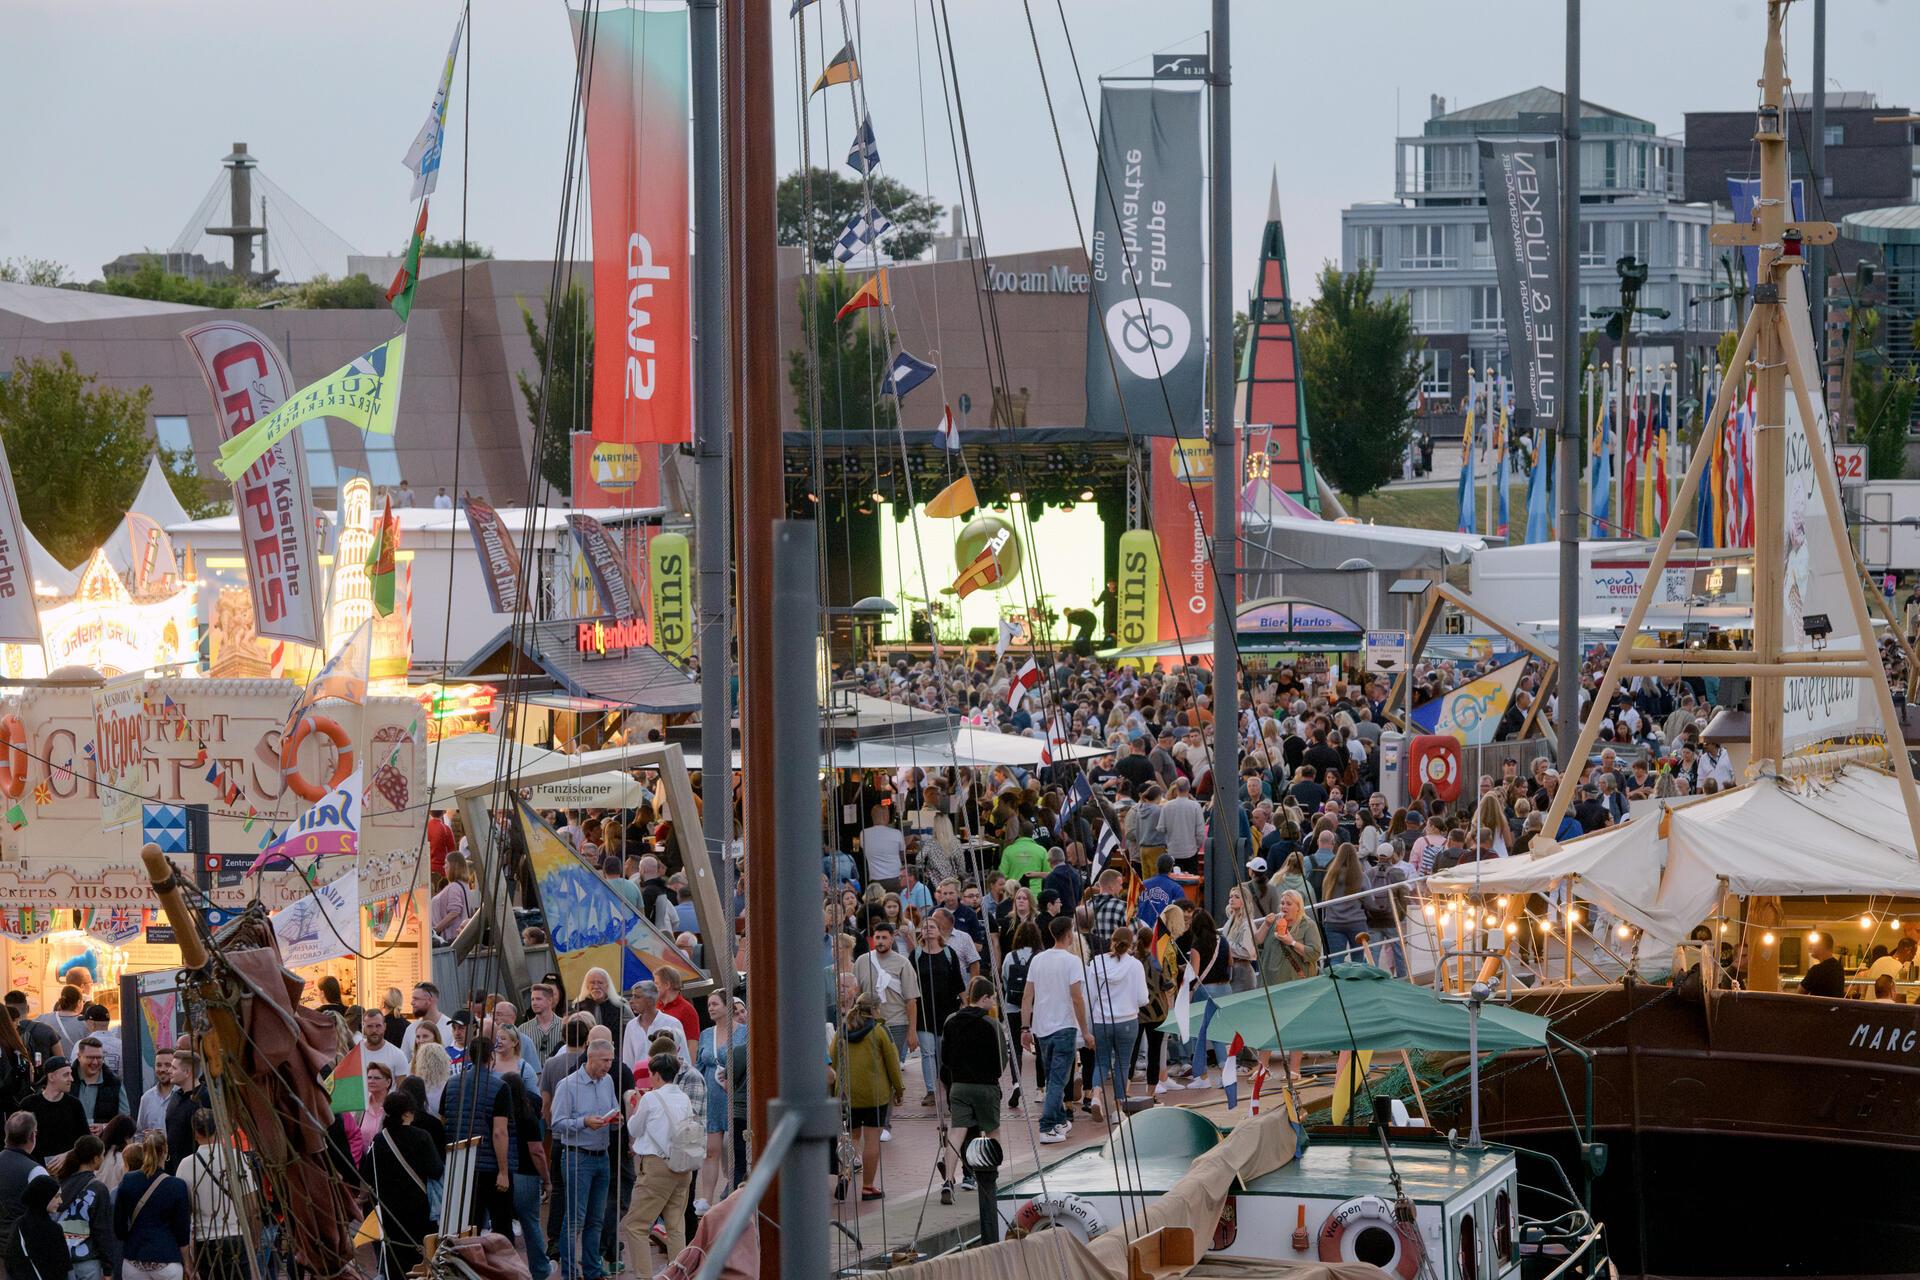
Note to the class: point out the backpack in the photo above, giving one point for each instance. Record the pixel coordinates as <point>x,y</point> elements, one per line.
<point>1017,980</point>
<point>686,1142</point>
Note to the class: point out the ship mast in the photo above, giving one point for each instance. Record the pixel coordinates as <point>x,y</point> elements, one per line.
<point>1775,346</point>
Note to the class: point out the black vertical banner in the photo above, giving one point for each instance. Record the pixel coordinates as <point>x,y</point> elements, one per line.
<point>1522,178</point>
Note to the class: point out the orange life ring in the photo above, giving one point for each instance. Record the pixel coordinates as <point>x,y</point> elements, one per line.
<point>1362,1230</point>
<point>290,753</point>
<point>13,765</point>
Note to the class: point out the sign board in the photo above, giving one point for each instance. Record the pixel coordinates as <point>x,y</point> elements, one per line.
<point>1180,66</point>
<point>1850,462</point>
<point>1387,650</point>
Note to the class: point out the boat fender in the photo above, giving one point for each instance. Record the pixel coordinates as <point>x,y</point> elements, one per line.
<point>1076,1213</point>
<point>1360,1231</point>
<point>13,764</point>
<point>290,754</point>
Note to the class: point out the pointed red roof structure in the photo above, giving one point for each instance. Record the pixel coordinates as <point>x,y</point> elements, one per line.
<point>1272,398</point>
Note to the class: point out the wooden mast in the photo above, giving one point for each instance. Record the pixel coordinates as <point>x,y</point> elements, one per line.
<point>1777,351</point>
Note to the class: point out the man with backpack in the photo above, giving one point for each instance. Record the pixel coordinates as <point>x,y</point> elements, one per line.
<point>669,1142</point>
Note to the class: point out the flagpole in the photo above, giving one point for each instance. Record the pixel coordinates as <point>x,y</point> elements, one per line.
<point>1220,865</point>
<point>1567,722</point>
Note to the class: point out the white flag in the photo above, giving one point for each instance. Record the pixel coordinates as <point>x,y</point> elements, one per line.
<point>1006,636</point>
<point>423,157</point>
<point>947,432</point>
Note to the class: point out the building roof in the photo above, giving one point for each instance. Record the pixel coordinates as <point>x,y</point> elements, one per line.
<point>639,679</point>
<point>1844,100</point>
<point>1506,112</point>
<point>66,306</point>
<point>1898,224</point>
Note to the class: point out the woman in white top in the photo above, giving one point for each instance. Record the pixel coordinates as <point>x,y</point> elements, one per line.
<point>1116,990</point>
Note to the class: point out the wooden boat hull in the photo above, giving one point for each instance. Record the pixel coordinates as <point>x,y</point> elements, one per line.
<point>1747,1133</point>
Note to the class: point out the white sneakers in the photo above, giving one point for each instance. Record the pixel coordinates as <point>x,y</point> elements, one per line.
<point>1167,1086</point>
<point>886,1135</point>
<point>1050,1136</point>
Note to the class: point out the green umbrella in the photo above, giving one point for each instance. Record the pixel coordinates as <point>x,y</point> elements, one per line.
<point>1356,1006</point>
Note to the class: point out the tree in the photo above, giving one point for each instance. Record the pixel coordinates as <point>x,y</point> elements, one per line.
<point>852,359</point>
<point>455,248</point>
<point>1359,357</point>
<point>44,272</point>
<point>155,283</point>
<point>351,293</point>
<point>563,353</point>
<point>833,199</point>
<point>1882,400</point>
<point>79,453</point>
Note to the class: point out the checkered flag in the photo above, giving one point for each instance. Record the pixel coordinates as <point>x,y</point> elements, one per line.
<point>864,155</point>
<point>863,229</point>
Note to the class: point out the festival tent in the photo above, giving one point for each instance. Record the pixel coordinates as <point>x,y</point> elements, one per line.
<point>1841,836</point>
<point>157,503</point>
<point>50,577</point>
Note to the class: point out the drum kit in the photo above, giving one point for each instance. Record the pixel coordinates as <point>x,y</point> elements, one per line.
<point>939,617</point>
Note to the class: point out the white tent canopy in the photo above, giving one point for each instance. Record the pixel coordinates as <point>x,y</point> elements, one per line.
<point>157,503</point>
<point>1845,836</point>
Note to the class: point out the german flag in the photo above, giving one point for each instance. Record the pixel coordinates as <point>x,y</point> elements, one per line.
<point>841,70</point>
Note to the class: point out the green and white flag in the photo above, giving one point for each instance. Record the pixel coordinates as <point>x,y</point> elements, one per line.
<point>364,392</point>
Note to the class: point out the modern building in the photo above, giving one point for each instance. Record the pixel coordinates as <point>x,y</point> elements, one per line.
<point>1869,163</point>
<point>1431,241</point>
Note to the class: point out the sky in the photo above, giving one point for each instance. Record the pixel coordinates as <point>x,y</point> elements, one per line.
<point>120,111</point>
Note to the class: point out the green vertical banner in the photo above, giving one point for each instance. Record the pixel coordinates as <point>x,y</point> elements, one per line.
<point>667,565</point>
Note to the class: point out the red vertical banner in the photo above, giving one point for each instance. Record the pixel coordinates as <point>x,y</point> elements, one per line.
<point>1183,520</point>
<point>638,113</point>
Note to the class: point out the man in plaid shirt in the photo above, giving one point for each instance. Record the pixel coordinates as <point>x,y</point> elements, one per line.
<point>1109,910</point>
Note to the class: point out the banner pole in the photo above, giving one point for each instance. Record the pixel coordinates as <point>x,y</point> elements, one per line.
<point>1220,865</point>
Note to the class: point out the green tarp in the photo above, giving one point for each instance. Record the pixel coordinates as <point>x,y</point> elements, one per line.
<point>1355,1006</point>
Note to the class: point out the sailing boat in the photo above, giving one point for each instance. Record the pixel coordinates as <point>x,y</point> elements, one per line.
<point>1746,1132</point>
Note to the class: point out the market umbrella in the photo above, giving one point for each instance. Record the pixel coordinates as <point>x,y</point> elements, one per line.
<point>1356,1006</point>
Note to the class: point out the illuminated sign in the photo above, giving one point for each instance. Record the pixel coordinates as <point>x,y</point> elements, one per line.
<point>621,633</point>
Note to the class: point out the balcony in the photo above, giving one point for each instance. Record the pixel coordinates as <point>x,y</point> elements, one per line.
<point>1611,168</point>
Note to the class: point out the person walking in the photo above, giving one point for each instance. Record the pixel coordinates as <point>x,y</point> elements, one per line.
<point>398,1166</point>
<point>475,1106</point>
<point>729,1029</point>
<point>972,1056</point>
<point>36,1248</point>
<point>62,1118</point>
<point>153,1214</point>
<point>867,1074</point>
<point>1054,1013</point>
<point>669,1142</point>
<point>212,1171</point>
<point>942,990</point>
<point>1116,992</point>
<point>585,1105</point>
<point>85,1199</point>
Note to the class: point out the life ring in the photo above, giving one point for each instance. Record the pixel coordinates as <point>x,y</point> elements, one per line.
<point>290,754</point>
<point>13,764</point>
<point>1365,1230</point>
<point>1076,1213</point>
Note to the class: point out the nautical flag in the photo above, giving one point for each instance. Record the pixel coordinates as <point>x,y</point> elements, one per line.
<point>863,228</point>
<point>348,1085</point>
<point>423,157</point>
<point>841,70</point>
<point>344,677</point>
<point>1109,841</point>
<point>1007,630</point>
<point>798,5</point>
<point>380,575</point>
<point>904,374</point>
<point>865,152</point>
<point>984,569</point>
<point>400,292</point>
<point>1023,682</point>
<point>955,500</point>
<point>876,292</point>
<point>946,433</point>
<point>1468,519</point>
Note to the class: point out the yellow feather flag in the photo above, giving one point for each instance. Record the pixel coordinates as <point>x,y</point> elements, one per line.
<point>1346,1082</point>
<point>955,500</point>
<point>369,1231</point>
<point>876,292</point>
<point>842,70</point>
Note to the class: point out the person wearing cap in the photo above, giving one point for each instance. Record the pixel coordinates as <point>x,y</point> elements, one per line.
<point>59,1114</point>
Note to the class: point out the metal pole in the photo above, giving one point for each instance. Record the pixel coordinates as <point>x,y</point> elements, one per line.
<point>804,1210</point>
<point>1226,489</point>
<point>1474,1142</point>
<point>1568,721</point>
<point>1816,174</point>
<point>711,519</point>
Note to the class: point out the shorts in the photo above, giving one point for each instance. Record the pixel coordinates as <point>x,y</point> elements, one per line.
<point>866,1118</point>
<point>974,1106</point>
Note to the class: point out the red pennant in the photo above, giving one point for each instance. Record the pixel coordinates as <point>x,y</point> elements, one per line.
<point>1239,1045</point>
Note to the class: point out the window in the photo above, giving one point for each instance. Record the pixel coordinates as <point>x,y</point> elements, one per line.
<point>1482,245</point>
<point>1680,244</point>
<point>321,473</point>
<point>383,464</point>
<point>174,434</point>
<point>1637,240</point>
<point>1593,296</point>
<point>1484,303</point>
<point>1424,305</point>
<point>1370,247</point>
<point>1593,243</point>
<point>1427,248</point>
<point>1834,135</point>
<point>1436,373</point>
<point>1699,245</point>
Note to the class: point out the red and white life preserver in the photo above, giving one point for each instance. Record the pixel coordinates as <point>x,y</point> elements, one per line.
<point>1365,1230</point>
<point>290,754</point>
<point>1435,759</point>
<point>13,761</point>
<point>1076,1213</point>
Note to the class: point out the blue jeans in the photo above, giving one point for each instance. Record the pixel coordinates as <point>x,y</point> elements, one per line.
<point>586,1173</point>
<point>1210,994</point>
<point>1337,942</point>
<point>526,1210</point>
<point>1388,951</point>
<point>930,1060</point>
<point>1113,1053</point>
<point>1056,1056</point>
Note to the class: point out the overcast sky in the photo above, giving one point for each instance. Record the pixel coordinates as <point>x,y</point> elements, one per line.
<point>118,112</point>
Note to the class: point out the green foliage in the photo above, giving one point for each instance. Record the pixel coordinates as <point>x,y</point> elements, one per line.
<point>201,497</point>
<point>354,293</point>
<point>852,358</point>
<point>566,385</point>
<point>78,452</point>
<point>455,248</point>
<point>1882,400</point>
<point>156,284</point>
<point>833,199</point>
<point>44,272</point>
<point>1358,355</point>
